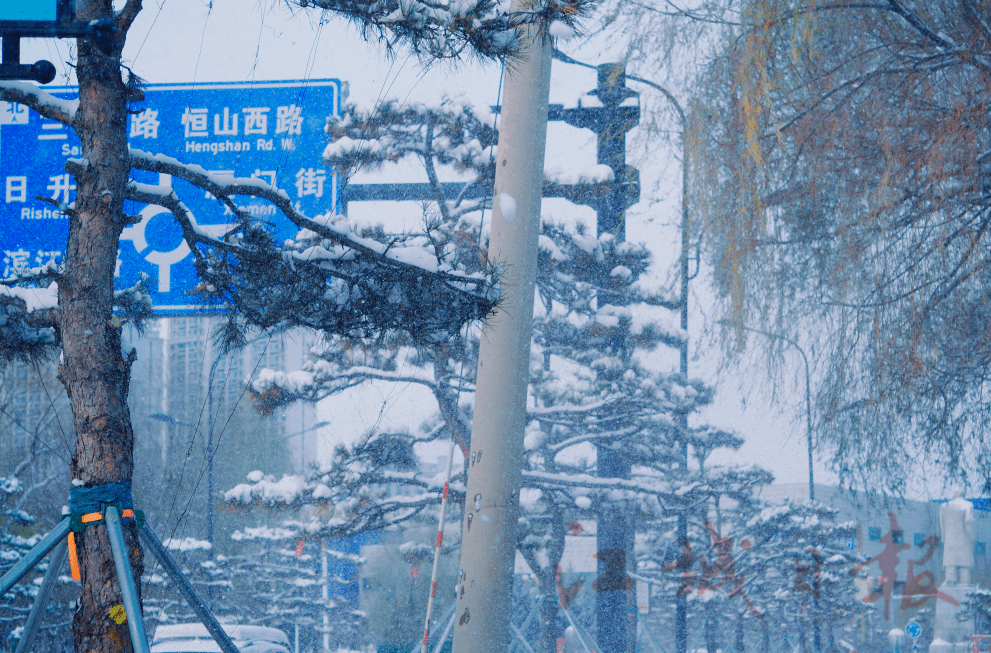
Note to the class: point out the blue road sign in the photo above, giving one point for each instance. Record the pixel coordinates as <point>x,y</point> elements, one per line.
<point>21,10</point>
<point>268,130</point>
<point>913,630</point>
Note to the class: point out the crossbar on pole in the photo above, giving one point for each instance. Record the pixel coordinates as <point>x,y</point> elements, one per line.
<point>186,589</point>
<point>34,556</point>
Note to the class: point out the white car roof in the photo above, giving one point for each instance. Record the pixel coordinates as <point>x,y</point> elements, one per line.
<point>194,638</point>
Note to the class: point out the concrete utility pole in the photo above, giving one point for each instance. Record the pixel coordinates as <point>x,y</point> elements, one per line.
<point>488,541</point>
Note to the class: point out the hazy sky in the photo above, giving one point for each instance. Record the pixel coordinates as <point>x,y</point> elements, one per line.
<point>234,40</point>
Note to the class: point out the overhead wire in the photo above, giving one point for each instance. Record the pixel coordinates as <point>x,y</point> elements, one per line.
<point>161,6</point>
<point>300,98</point>
<point>181,517</point>
<point>35,436</point>
<point>495,127</point>
<point>41,380</point>
<point>199,56</point>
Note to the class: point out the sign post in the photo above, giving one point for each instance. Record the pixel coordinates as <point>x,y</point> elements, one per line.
<point>914,630</point>
<point>273,131</point>
<point>43,19</point>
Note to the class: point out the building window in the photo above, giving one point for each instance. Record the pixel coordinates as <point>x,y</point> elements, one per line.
<point>919,539</point>
<point>874,533</point>
<point>897,537</point>
<point>979,548</point>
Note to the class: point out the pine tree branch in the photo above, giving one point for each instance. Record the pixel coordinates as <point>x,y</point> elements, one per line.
<point>41,101</point>
<point>126,16</point>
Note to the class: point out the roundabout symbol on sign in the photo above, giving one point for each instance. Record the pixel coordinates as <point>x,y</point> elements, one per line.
<point>913,630</point>
<point>164,260</point>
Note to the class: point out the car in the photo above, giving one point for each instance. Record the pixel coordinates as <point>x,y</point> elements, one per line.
<point>194,638</point>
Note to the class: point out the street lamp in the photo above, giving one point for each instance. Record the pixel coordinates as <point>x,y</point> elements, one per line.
<point>681,607</point>
<point>162,417</point>
<point>302,450</point>
<point>808,399</point>
<point>209,447</point>
<point>808,436</point>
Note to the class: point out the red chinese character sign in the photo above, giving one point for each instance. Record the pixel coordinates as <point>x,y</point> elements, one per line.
<point>272,131</point>
<point>717,574</point>
<point>920,586</point>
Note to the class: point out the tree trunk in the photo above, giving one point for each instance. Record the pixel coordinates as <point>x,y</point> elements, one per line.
<point>711,617</point>
<point>93,369</point>
<point>549,630</point>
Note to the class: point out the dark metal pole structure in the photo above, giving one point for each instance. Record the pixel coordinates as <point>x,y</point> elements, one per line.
<point>34,556</point>
<point>187,591</point>
<point>615,603</point>
<point>125,576</point>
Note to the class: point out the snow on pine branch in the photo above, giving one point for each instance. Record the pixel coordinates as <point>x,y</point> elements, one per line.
<point>453,29</point>
<point>27,321</point>
<point>350,495</point>
<point>46,104</point>
<point>328,278</point>
<point>366,137</point>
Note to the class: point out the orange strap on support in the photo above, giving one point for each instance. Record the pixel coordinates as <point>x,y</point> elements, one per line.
<point>88,518</point>
<point>73,558</point>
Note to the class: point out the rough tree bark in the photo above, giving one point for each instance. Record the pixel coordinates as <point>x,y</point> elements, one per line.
<point>93,369</point>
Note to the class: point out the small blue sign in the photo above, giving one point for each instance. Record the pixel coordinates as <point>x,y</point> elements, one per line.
<point>913,630</point>
<point>272,131</point>
<point>27,9</point>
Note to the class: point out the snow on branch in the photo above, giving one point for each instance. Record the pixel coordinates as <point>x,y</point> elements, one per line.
<point>27,321</point>
<point>348,500</point>
<point>453,29</point>
<point>46,104</point>
<point>327,279</point>
<point>452,132</point>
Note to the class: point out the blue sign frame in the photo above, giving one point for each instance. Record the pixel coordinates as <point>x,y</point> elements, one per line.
<point>268,130</point>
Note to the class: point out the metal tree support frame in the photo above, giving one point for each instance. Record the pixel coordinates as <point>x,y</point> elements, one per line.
<point>125,576</point>
<point>51,574</point>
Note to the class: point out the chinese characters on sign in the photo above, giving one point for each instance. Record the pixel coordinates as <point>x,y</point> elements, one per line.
<point>700,574</point>
<point>721,571</point>
<point>272,131</point>
<point>918,587</point>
